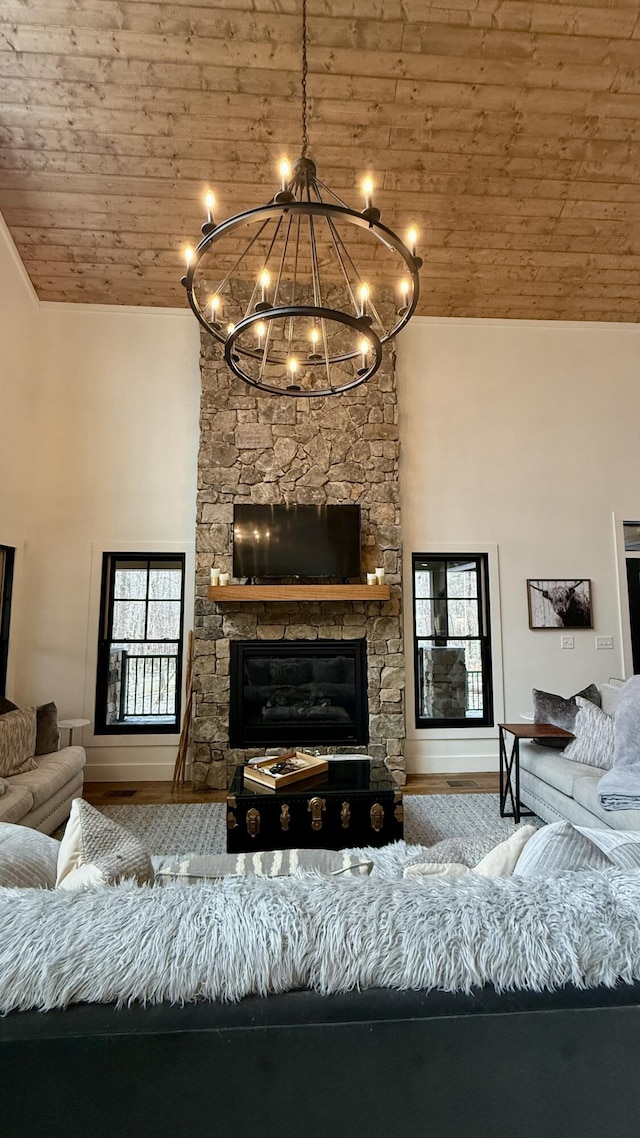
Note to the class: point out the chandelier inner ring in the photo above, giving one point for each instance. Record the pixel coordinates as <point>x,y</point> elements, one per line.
<point>233,357</point>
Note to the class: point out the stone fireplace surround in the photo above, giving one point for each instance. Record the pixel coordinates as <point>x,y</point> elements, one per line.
<point>256,447</point>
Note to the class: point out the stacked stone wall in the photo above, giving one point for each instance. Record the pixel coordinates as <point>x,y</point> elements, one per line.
<point>263,448</point>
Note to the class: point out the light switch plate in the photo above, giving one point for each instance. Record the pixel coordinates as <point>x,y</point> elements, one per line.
<point>604,641</point>
<point>567,642</point>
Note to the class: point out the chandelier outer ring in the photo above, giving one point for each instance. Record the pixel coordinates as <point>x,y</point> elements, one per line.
<point>272,210</point>
<point>329,314</point>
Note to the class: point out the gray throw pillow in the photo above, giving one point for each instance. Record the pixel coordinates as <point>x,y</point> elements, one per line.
<point>17,741</point>
<point>48,732</point>
<point>28,858</point>
<point>594,743</point>
<point>561,712</point>
<point>267,863</point>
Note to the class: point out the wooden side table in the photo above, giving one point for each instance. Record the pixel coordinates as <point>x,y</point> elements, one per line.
<point>510,763</point>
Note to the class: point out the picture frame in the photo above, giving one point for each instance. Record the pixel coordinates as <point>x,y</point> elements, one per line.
<point>559,603</point>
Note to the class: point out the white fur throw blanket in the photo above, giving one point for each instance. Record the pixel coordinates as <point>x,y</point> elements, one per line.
<point>236,937</point>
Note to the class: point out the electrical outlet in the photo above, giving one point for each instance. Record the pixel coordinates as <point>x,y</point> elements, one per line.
<point>604,641</point>
<point>567,642</point>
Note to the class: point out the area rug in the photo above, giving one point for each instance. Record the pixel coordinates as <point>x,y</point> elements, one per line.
<point>201,827</point>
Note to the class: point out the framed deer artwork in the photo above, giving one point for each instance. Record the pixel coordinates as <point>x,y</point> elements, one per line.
<point>559,604</point>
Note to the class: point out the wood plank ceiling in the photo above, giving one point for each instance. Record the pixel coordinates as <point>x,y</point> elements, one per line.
<point>507,130</point>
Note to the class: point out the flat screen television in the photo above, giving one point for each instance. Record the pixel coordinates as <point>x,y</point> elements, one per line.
<point>296,541</point>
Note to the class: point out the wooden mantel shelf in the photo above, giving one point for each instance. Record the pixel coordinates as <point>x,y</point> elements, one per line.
<point>299,592</point>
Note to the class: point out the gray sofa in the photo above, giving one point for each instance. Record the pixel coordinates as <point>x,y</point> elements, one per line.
<point>42,798</point>
<point>556,788</point>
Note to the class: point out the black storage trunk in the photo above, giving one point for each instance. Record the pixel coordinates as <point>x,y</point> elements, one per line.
<point>354,804</point>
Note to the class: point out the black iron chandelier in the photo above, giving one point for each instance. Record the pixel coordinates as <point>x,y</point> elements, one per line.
<point>283,289</point>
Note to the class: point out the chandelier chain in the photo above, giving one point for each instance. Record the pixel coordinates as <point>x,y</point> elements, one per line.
<point>305,69</point>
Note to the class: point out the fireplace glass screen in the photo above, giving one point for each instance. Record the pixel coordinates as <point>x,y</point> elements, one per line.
<point>298,693</point>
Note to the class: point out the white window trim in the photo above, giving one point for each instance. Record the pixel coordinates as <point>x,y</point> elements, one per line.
<point>449,733</point>
<point>123,545</point>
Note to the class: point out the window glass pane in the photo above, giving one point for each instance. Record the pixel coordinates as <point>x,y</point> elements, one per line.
<point>431,618</point>
<point>462,579</point>
<point>165,584</point>
<point>164,620</point>
<point>430,577</point>
<point>128,620</point>
<point>632,537</point>
<point>130,583</point>
<point>142,684</point>
<point>450,680</point>
<point>463,618</point>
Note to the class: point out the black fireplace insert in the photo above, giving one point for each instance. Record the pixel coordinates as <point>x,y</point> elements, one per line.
<point>299,693</point>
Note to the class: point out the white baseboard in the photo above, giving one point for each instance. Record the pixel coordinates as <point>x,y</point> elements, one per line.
<point>464,764</point>
<point>128,772</point>
<point>451,756</point>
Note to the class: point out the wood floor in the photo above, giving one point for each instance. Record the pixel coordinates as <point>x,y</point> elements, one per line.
<point>158,793</point>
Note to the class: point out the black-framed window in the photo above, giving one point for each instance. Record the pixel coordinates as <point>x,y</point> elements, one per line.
<point>139,648</point>
<point>452,642</point>
<point>7,555</point>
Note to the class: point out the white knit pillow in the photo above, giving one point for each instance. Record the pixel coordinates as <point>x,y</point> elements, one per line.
<point>594,739</point>
<point>96,852</point>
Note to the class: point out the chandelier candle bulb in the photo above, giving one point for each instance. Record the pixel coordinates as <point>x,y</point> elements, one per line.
<point>215,308</point>
<point>292,365</point>
<point>230,328</point>
<point>364,293</point>
<point>412,240</point>
<point>364,352</point>
<point>285,173</point>
<point>265,281</point>
<point>404,290</point>
<point>210,202</point>
<point>260,331</point>
<point>367,189</point>
<point>188,254</point>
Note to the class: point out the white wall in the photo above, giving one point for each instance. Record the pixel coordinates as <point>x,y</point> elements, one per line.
<point>118,446</point>
<point>521,435</point>
<point>100,414</point>
<point>19,385</point>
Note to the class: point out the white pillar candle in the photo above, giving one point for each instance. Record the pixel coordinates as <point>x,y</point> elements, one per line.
<point>372,579</point>
<point>215,576</point>
<point>224,578</point>
<point>380,579</point>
